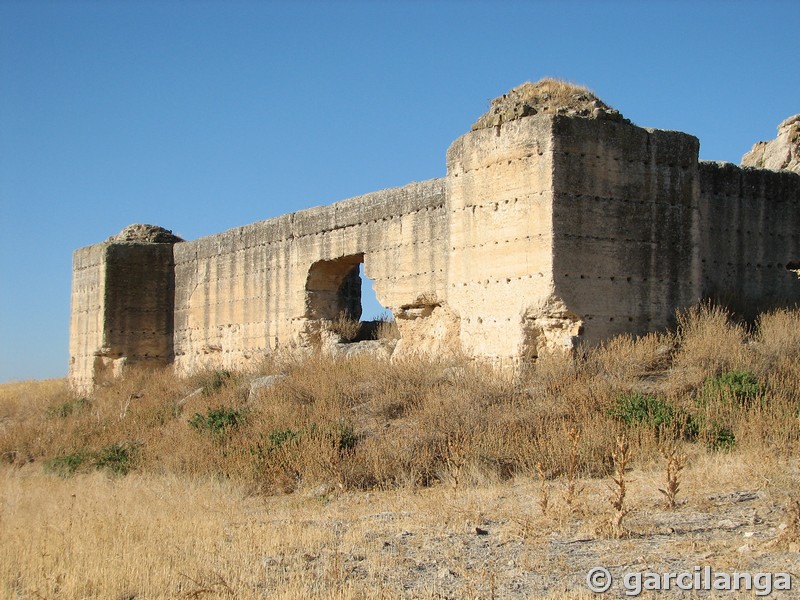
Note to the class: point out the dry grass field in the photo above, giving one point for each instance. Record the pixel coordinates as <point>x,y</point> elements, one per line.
<point>361,478</point>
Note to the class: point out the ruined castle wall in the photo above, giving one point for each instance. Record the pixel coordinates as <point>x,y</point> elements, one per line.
<point>555,224</point>
<point>87,313</point>
<point>244,292</point>
<point>750,248</point>
<point>138,302</point>
<point>122,295</point>
<point>625,225</point>
<point>499,184</point>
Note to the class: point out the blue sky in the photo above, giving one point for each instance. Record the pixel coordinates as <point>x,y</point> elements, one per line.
<point>202,116</point>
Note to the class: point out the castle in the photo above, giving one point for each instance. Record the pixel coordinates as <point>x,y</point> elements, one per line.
<point>558,222</point>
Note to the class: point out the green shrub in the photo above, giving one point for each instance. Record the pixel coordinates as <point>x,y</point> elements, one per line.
<point>218,421</point>
<point>638,409</point>
<point>344,437</point>
<point>213,381</point>
<point>279,437</point>
<point>66,465</point>
<point>67,408</point>
<point>737,387</point>
<point>117,458</point>
<point>719,437</point>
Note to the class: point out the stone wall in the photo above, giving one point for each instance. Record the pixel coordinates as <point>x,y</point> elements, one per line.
<point>750,247</point>
<point>625,225</point>
<point>245,292</point>
<point>552,227</point>
<point>500,209</point>
<point>122,309</point>
<point>87,314</point>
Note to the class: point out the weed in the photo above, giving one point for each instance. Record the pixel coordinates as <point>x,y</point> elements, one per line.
<point>346,327</point>
<point>572,491</point>
<point>621,457</point>
<point>116,458</point>
<point>638,409</point>
<point>676,461</point>
<point>279,437</point>
<point>544,494</point>
<point>218,422</point>
<point>455,458</point>
<point>792,531</point>
<point>65,409</point>
<point>387,328</point>
<point>719,437</point>
<point>214,381</point>
<point>344,436</point>
<point>740,388</point>
<point>66,465</point>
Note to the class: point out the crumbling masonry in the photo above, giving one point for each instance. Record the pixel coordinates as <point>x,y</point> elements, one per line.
<point>558,222</point>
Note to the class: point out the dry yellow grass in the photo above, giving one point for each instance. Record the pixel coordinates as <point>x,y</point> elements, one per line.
<point>164,536</point>
<point>145,490</point>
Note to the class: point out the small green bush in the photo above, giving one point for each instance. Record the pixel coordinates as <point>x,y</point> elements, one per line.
<point>279,437</point>
<point>66,465</point>
<point>719,437</point>
<point>638,409</point>
<point>218,421</point>
<point>213,381</point>
<point>66,409</point>
<point>738,387</point>
<point>344,436</point>
<point>116,458</point>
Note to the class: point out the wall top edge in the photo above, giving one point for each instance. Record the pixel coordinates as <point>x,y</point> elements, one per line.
<point>415,192</point>
<point>341,213</point>
<point>721,165</point>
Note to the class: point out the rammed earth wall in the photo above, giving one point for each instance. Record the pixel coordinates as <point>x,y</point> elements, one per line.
<point>546,232</point>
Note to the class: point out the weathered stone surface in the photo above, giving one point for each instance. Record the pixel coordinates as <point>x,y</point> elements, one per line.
<point>259,384</point>
<point>548,96</point>
<point>750,243</point>
<point>782,153</point>
<point>558,223</point>
<point>122,309</point>
<point>377,348</point>
<point>150,234</point>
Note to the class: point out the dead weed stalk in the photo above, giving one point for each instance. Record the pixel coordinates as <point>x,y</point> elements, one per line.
<point>544,493</point>
<point>572,489</point>
<point>621,457</point>
<point>676,461</point>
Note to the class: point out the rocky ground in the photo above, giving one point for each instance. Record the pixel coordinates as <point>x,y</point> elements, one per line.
<point>497,544</point>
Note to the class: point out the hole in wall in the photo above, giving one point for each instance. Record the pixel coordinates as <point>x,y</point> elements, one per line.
<point>794,266</point>
<point>333,288</point>
<point>371,308</point>
<point>377,321</point>
<point>342,299</point>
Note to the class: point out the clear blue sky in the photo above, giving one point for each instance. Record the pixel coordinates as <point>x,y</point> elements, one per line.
<point>202,116</point>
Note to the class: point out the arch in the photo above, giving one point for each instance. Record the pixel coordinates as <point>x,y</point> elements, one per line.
<point>333,288</point>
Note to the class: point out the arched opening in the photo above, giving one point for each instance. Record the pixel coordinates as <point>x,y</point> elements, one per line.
<point>333,288</point>
<point>341,299</point>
